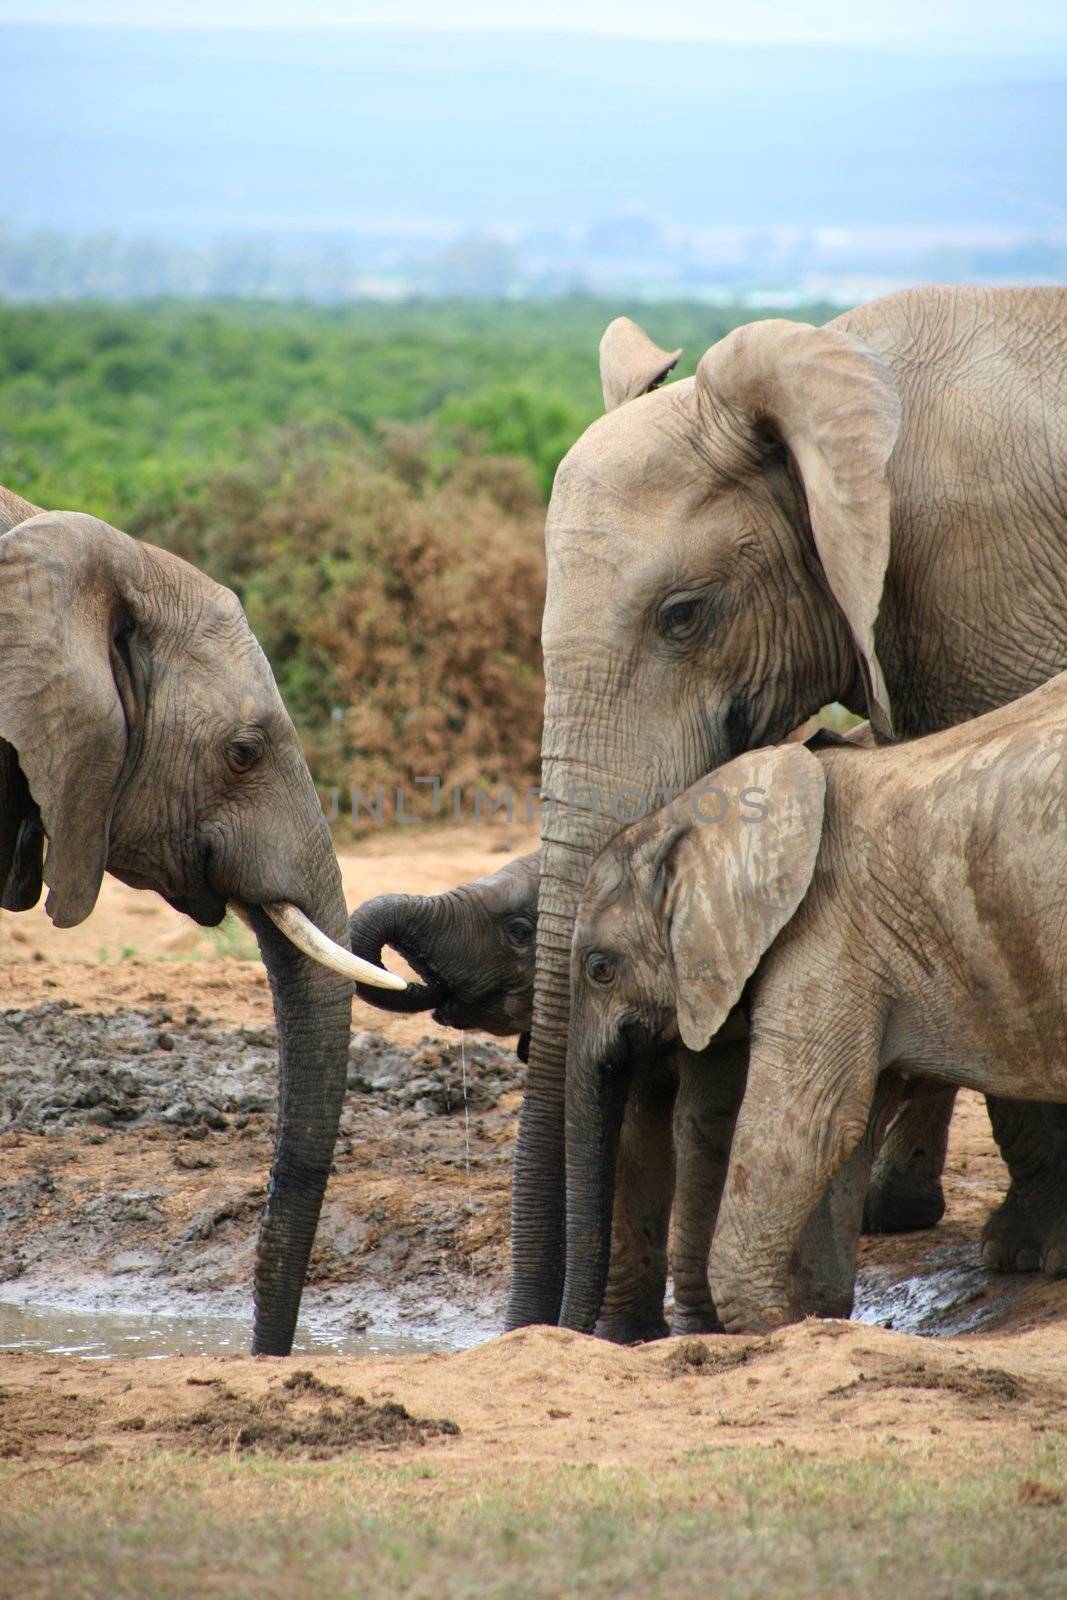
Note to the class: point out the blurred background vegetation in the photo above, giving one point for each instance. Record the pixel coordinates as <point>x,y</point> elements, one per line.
<point>370,479</point>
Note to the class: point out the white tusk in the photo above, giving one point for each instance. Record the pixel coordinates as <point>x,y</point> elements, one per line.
<point>302,932</point>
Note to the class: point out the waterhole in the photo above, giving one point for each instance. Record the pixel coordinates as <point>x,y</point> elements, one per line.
<point>89,1323</point>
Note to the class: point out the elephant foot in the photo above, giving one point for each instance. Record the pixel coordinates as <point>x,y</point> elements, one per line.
<point>751,1316</point>
<point>623,1327</point>
<point>694,1319</point>
<point>1028,1231</point>
<point>904,1192</point>
<point>900,1201</point>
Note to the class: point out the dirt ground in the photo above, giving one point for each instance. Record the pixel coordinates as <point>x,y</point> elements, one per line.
<point>136,1088</point>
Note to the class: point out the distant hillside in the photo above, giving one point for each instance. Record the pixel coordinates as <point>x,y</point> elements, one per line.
<point>191,135</point>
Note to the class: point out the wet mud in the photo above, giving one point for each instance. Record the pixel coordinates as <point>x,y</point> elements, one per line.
<point>134,1150</point>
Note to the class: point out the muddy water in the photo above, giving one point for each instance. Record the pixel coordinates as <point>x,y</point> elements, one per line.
<point>101,1335</point>
<point>952,1293</point>
<point>90,1321</point>
<point>948,1297</point>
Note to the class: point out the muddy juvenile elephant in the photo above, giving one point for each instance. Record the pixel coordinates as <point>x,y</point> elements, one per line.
<point>141,733</point>
<point>873,512</point>
<point>895,916</point>
<point>474,948</point>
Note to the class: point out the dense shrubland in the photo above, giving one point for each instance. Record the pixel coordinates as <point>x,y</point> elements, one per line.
<point>370,479</point>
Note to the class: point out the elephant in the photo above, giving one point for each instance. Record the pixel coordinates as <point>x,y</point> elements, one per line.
<point>142,734</point>
<point>474,947</point>
<point>871,512</point>
<point>894,917</point>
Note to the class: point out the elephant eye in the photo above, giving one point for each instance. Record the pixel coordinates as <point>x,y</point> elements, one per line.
<point>520,930</point>
<point>600,967</point>
<point>242,754</point>
<point>679,617</point>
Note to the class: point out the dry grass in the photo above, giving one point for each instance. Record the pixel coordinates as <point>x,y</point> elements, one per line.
<point>899,1521</point>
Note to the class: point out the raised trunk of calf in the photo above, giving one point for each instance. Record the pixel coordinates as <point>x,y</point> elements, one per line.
<point>410,924</point>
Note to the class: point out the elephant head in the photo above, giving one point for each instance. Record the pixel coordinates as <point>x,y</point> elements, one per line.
<point>673,920</point>
<point>142,733</point>
<point>716,553</point>
<point>472,946</point>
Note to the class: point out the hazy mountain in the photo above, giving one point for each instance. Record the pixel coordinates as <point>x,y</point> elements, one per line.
<point>189,135</point>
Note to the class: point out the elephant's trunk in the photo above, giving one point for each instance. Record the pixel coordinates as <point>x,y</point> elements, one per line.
<point>571,840</point>
<point>405,922</point>
<point>313,1010</point>
<point>596,1101</point>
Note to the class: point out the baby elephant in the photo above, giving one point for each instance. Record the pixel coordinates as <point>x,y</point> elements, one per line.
<point>473,947</point>
<point>887,917</point>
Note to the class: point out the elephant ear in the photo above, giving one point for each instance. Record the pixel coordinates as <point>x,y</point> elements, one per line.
<point>729,887</point>
<point>13,509</point>
<point>833,403</point>
<point>60,707</point>
<point>630,364</point>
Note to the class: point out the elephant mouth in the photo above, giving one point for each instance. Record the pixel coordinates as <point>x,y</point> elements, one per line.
<point>480,1013</point>
<point>207,908</point>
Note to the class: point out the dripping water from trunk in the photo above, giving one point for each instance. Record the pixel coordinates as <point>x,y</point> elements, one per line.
<point>467,1136</point>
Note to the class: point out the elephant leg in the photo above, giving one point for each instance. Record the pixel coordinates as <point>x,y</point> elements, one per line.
<point>632,1309</point>
<point>905,1191</point>
<point>1028,1230</point>
<point>804,1113</point>
<point>824,1267</point>
<point>709,1095</point>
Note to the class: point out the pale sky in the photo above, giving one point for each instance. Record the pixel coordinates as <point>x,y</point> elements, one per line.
<point>904,24</point>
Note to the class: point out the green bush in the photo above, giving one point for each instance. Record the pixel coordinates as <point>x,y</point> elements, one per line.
<point>370,479</point>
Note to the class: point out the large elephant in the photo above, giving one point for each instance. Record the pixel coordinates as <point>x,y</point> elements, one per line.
<point>142,733</point>
<point>873,512</point>
<point>892,917</point>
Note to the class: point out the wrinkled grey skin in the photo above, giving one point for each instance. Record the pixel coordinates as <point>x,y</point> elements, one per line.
<point>895,918</point>
<point>474,947</point>
<point>141,733</point>
<point>874,512</point>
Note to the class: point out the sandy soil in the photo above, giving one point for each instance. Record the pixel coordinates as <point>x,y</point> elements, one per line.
<point>547,1396</point>
<point>404,1207</point>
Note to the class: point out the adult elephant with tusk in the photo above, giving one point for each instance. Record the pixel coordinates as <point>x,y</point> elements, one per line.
<point>142,734</point>
<point>873,512</point>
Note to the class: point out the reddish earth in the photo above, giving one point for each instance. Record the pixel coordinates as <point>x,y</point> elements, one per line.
<point>405,1211</point>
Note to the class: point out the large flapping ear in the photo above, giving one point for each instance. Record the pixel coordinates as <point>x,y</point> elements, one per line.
<point>833,403</point>
<point>13,509</point>
<point>630,364</point>
<point>60,708</point>
<point>730,886</point>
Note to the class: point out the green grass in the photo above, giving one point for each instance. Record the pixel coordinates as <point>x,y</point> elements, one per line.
<point>925,1521</point>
